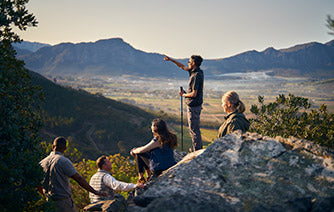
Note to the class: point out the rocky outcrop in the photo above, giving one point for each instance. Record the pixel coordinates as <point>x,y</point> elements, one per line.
<point>246,172</point>
<point>117,204</point>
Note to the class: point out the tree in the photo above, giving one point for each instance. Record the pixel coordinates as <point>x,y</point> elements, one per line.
<point>14,13</point>
<point>19,118</point>
<point>292,116</point>
<point>330,24</point>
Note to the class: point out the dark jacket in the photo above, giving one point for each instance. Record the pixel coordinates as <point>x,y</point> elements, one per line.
<point>233,121</point>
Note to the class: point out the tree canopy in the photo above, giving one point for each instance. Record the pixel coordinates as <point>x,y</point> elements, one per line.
<point>19,117</point>
<point>330,24</point>
<point>13,13</point>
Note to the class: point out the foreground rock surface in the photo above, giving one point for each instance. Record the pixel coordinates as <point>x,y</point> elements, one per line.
<point>117,204</point>
<point>246,172</point>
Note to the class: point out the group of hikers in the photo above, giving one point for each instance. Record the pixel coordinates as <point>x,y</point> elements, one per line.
<point>152,158</point>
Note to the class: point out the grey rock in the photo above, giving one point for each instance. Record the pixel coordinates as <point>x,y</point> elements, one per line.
<point>323,205</point>
<point>118,204</point>
<point>178,155</point>
<point>245,172</point>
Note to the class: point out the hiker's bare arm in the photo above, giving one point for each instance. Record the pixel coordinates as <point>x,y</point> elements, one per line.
<point>180,65</point>
<point>83,183</point>
<point>153,144</point>
<point>193,94</point>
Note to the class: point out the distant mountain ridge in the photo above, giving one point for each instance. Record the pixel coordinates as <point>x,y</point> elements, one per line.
<point>116,57</point>
<point>309,59</point>
<point>30,46</point>
<point>103,57</point>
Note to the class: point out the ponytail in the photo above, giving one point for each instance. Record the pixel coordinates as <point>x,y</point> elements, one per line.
<point>241,107</point>
<point>233,98</point>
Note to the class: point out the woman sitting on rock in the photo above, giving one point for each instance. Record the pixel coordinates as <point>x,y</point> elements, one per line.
<point>235,120</point>
<point>158,154</point>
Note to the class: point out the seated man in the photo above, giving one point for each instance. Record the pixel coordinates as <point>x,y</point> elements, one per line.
<point>103,181</point>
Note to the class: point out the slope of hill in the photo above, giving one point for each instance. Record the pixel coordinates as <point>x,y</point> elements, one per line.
<point>94,124</point>
<point>116,57</point>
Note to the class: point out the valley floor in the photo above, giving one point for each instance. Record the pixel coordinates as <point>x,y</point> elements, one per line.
<point>162,94</point>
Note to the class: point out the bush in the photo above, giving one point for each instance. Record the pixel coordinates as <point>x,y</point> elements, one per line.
<point>292,116</point>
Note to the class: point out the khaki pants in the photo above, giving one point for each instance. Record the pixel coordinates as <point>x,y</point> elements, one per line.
<point>65,205</point>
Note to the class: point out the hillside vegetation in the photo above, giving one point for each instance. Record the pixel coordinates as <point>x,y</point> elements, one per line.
<point>292,116</point>
<point>93,123</point>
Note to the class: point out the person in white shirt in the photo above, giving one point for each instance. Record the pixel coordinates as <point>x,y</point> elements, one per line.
<point>103,181</point>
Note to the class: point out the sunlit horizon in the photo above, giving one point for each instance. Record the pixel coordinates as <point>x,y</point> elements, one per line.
<point>213,29</point>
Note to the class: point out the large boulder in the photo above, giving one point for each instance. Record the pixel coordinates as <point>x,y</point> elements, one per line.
<point>117,204</point>
<point>246,172</point>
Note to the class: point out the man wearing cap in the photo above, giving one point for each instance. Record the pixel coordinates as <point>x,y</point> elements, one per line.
<point>58,169</point>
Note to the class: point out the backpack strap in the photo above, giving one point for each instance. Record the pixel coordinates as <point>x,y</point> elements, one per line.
<point>46,184</point>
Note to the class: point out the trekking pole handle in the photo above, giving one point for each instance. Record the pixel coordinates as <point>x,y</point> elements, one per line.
<point>182,90</point>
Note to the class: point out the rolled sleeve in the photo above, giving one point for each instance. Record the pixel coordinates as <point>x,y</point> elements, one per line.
<point>116,185</point>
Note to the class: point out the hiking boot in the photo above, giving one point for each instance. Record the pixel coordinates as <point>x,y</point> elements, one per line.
<point>141,180</point>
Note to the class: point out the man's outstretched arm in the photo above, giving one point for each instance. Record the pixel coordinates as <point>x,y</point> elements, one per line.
<point>180,65</point>
<point>83,183</point>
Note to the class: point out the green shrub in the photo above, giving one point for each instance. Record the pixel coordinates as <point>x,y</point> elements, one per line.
<point>292,116</point>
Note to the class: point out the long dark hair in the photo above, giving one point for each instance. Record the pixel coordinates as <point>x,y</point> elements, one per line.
<point>164,136</point>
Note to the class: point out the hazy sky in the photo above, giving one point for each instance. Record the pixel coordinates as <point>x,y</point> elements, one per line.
<point>180,28</point>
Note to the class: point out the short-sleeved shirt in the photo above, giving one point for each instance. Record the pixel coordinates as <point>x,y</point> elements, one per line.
<point>58,169</point>
<point>196,81</point>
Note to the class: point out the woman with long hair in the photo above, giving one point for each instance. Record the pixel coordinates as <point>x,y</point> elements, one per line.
<point>158,154</point>
<point>235,120</point>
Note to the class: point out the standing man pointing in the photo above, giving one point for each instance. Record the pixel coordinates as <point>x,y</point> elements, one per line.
<point>193,97</point>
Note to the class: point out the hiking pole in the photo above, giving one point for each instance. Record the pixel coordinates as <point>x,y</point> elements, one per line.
<point>181,90</point>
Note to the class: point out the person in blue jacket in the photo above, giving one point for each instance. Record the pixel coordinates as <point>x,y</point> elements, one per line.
<point>158,154</point>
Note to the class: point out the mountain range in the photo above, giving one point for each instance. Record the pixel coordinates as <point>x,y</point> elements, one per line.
<point>29,47</point>
<point>113,57</point>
